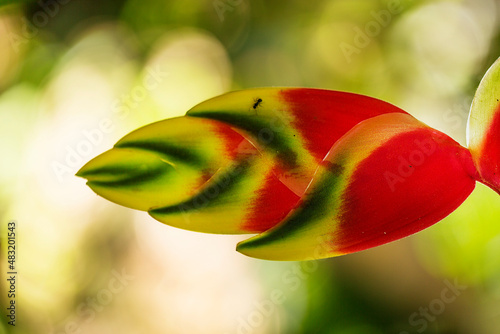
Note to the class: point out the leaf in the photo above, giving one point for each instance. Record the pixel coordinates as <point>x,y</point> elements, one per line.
<point>17,2</point>
<point>484,127</point>
<point>389,177</point>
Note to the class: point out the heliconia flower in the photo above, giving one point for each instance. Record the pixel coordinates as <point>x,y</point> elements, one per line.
<point>315,173</point>
<point>483,128</point>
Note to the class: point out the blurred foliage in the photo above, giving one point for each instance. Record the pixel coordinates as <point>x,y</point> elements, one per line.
<point>7,2</point>
<point>67,68</point>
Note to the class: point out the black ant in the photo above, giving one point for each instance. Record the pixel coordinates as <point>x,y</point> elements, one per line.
<point>257,103</point>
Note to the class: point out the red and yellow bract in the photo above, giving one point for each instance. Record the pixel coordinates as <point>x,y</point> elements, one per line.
<point>316,173</point>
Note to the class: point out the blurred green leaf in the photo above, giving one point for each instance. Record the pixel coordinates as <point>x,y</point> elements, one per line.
<point>9,2</point>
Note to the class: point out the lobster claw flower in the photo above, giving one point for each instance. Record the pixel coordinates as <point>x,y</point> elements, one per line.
<point>315,173</point>
<point>389,177</point>
<point>483,128</point>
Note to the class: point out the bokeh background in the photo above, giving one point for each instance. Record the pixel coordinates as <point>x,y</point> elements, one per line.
<point>77,75</point>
